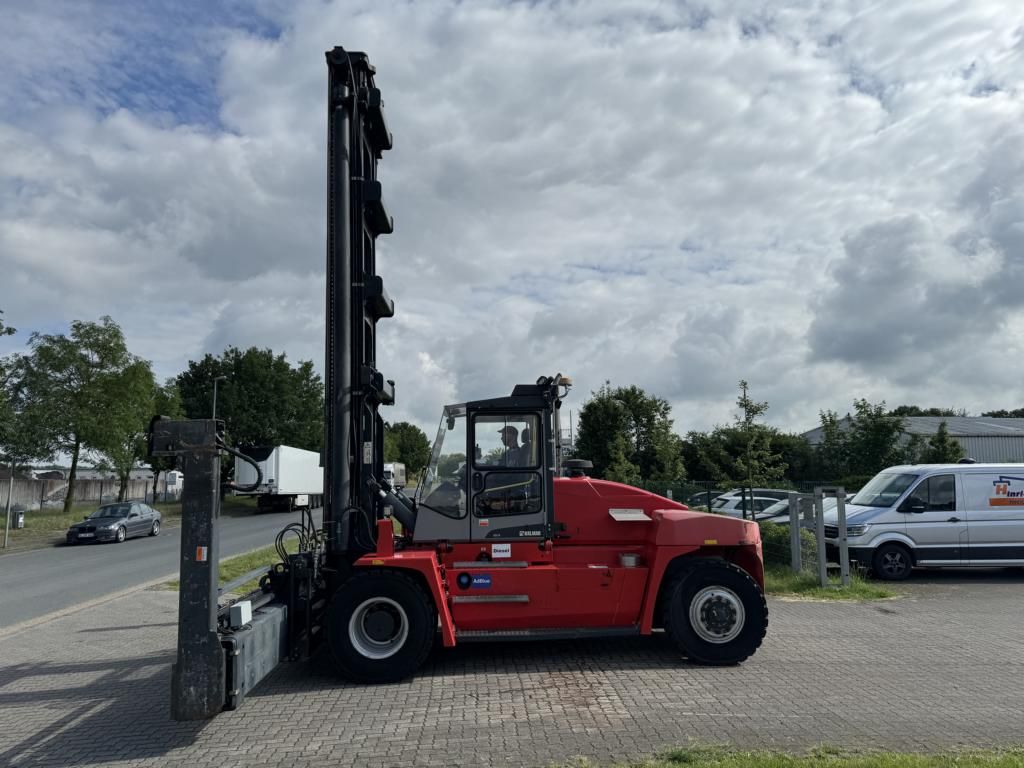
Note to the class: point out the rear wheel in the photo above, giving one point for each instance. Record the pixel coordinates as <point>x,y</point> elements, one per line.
<point>381,626</point>
<point>892,562</point>
<point>715,613</point>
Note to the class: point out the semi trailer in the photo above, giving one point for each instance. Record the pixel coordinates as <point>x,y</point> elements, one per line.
<point>502,540</point>
<point>289,478</point>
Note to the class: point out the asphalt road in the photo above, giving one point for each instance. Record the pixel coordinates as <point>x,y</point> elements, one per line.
<point>39,582</point>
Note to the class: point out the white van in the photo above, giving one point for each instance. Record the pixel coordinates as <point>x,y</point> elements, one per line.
<point>936,515</point>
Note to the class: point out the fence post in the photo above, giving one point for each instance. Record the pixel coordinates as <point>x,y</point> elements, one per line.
<point>844,550</point>
<point>819,535</point>
<point>794,532</point>
<point>10,492</point>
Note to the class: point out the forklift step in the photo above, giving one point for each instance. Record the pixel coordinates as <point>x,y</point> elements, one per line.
<point>558,633</point>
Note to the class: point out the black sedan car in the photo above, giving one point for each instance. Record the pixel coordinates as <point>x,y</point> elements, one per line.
<point>116,522</point>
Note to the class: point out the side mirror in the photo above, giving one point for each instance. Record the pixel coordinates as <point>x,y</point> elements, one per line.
<point>85,517</point>
<point>451,423</point>
<point>915,506</point>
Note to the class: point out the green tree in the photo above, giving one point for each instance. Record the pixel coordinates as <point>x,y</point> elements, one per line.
<point>71,386</point>
<point>832,453</point>
<point>941,448</point>
<point>914,410</point>
<point>21,438</point>
<point>874,440</point>
<point>408,444</point>
<point>758,463</point>
<point>6,330</point>
<point>124,444</point>
<point>644,424</point>
<point>1017,413</point>
<point>264,400</point>
<point>620,468</point>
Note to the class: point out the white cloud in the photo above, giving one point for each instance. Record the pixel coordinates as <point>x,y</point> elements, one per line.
<point>819,198</point>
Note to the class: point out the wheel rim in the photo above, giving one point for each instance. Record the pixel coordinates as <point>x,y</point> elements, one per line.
<point>378,628</point>
<point>894,563</point>
<point>717,615</point>
<point>156,528</point>
<point>120,534</point>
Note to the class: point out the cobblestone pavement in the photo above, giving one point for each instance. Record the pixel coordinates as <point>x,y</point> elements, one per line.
<point>940,667</point>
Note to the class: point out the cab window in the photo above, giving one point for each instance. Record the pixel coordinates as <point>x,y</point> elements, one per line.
<point>505,440</point>
<point>937,494</point>
<point>509,493</point>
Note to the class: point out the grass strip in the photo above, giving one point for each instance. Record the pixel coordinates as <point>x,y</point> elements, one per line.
<point>782,582</point>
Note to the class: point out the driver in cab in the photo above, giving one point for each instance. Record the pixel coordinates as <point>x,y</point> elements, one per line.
<point>515,455</point>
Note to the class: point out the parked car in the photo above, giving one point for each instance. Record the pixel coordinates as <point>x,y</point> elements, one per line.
<point>117,522</point>
<point>703,498</point>
<point>772,493</point>
<point>935,515</point>
<point>734,505</point>
<point>779,512</point>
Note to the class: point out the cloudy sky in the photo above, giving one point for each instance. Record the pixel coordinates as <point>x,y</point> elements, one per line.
<point>824,198</point>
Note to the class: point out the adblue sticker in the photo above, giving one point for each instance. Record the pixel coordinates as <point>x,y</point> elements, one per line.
<point>482,581</point>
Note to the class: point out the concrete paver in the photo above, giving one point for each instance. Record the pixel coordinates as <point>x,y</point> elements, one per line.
<point>941,667</point>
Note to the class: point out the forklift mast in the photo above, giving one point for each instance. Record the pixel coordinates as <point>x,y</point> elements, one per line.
<point>353,458</point>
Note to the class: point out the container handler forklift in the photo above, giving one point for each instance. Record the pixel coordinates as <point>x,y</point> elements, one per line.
<point>503,540</point>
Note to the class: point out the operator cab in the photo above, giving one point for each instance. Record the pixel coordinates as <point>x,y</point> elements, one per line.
<point>491,470</point>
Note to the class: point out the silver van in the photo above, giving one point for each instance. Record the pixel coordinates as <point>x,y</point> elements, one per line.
<point>935,515</point>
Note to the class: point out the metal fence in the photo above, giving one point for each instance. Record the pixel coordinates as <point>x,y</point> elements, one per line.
<point>27,494</point>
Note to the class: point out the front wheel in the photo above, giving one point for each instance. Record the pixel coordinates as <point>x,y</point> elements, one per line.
<point>715,613</point>
<point>380,626</point>
<point>121,535</point>
<point>155,530</point>
<point>892,562</point>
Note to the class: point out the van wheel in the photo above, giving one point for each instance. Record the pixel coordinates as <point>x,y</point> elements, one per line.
<point>715,613</point>
<point>380,626</point>
<point>892,562</point>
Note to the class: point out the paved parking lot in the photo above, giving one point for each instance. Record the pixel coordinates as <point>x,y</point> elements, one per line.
<point>940,667</point>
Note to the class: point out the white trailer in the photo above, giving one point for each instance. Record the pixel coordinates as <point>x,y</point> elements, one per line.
<point>394,473</point>
<point>292,478</point>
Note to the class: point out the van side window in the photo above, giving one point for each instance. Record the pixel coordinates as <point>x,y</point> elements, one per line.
<point>937,493</point>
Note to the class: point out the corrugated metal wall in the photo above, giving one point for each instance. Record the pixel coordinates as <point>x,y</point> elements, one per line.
<point>993,448</point>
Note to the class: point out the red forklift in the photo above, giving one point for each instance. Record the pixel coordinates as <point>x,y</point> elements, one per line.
<point>503,538</point>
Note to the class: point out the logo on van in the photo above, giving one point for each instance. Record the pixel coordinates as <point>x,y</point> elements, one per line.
<point>1007,494</point>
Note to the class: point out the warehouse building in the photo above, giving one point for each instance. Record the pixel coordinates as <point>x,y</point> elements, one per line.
<point>984,439</point>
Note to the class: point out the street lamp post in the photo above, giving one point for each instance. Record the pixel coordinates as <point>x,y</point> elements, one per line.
<point>215,380</point>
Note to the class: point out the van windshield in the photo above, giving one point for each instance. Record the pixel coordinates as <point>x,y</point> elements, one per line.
<point>883,490</point>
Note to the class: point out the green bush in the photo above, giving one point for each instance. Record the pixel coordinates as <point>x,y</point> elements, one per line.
<point>775,543</point>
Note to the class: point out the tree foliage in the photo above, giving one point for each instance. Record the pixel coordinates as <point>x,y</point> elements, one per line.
<point>915,410</point>
<point>124,445</point>
<point>628,436</point>
<point>72,388</point>
<point>6,330</point>
<point>1017,413</point>
<point>263,401</point>
<point>941,448</point>
<point>408,444</point>
<point>866,442</point>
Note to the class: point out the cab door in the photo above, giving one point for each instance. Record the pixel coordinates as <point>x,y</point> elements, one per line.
<point>507,498</point>
<point>936,523</point>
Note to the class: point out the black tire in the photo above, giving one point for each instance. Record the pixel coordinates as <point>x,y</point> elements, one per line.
<point>365,621</point>
<point>155,530</point>
<point>892,562</point>
<point>715,590</point>
<point>121,535</point>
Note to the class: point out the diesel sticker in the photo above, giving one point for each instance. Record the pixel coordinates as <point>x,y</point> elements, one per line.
<point>501,550</point>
